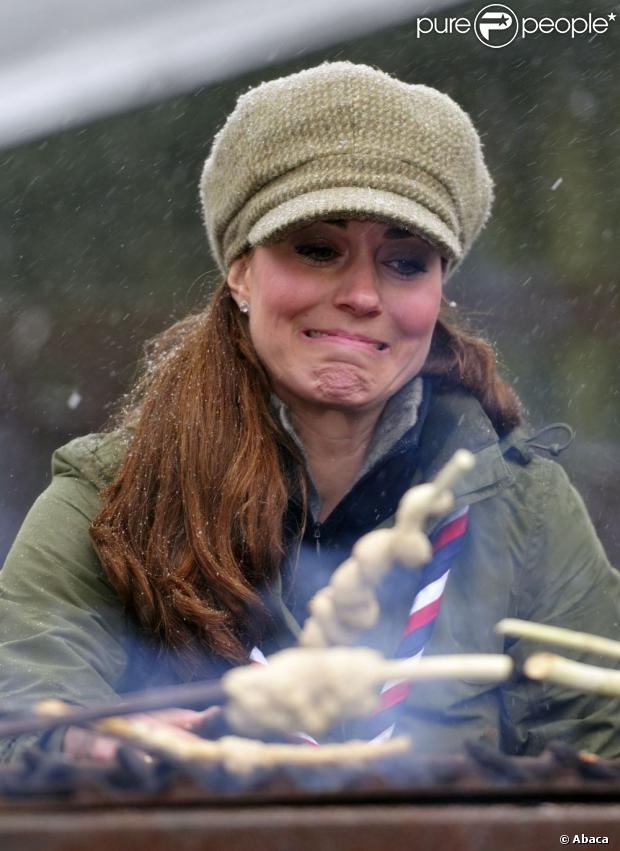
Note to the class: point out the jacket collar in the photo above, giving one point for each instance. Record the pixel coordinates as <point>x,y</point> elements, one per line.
<point>444,421</point>
<point>455,420</point>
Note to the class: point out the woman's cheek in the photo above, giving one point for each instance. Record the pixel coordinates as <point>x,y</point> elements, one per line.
<point>285,298</point>
<point>419,315</point>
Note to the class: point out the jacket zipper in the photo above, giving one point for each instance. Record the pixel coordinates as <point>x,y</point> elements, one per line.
<point>397,450</point>
<point>343,506</point>
<point>317,537</point>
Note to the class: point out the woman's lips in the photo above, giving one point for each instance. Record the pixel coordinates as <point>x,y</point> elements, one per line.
<point>345,338</point>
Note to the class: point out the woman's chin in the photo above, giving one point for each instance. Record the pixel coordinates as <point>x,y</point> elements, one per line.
<point>343,385</point>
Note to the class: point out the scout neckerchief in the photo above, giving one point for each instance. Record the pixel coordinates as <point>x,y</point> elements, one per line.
<point>446,541</point>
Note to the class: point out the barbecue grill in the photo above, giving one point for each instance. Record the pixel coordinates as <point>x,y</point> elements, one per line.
<point>481,799</point>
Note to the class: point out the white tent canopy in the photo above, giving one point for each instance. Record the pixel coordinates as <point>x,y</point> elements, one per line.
<point>67,62</point>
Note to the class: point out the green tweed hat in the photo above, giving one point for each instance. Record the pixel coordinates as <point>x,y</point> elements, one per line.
<point>347,141</point>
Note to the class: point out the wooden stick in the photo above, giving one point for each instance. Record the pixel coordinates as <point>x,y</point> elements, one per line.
<point>485,667</point>
<point>198,695</point>
<point>559,636</point>
<point>575,675</point>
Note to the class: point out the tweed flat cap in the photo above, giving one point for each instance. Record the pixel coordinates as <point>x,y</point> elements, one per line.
<point>349,141</point>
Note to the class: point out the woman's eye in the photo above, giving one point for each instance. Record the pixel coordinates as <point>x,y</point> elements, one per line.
<point>316,251</point>
<point>407,266</point>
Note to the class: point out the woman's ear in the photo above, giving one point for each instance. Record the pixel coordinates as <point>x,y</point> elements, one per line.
<point>238,278</point>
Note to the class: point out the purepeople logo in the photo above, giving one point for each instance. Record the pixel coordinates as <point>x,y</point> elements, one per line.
<point>497,25</point>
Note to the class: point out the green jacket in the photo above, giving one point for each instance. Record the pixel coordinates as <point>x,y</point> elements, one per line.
<point>530,552</point>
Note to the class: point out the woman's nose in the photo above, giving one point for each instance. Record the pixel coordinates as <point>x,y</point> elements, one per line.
<point>358,289</point>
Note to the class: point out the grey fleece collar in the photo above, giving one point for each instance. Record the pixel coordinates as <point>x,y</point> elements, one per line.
<point>398,416</point>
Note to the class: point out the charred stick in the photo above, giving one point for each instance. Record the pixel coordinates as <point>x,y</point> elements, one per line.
<point>261,698</point>
<point>196,696</point>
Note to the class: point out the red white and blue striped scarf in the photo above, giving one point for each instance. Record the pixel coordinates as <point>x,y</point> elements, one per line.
<point>446,540</point>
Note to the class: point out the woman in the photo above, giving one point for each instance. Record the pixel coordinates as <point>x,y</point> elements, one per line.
<point>272,430</point>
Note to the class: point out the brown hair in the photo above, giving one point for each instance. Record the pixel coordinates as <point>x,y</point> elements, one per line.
<point>460,358</point>
<point>191,532</point>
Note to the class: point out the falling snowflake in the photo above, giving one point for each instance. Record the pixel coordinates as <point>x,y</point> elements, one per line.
<point>74,400</point>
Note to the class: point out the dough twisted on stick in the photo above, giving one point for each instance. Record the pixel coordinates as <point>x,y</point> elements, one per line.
<point>237,755</point>
<point>311,689</point>
<point>348,605</point>
<point>243,756</point>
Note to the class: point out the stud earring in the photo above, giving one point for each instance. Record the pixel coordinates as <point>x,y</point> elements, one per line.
<point>244,307</point>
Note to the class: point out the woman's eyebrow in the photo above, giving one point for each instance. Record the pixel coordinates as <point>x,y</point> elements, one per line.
<point>398,233</point>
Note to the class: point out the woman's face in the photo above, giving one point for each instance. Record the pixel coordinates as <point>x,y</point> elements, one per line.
<point>341,312</point>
